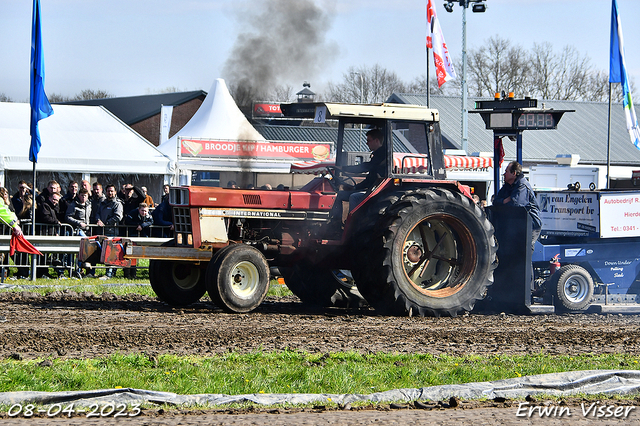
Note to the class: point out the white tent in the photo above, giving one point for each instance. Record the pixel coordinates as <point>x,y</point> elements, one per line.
<point>84,139</point>
<point>220,119</point>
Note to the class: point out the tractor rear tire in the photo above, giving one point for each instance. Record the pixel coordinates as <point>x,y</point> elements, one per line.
<point>322,287</point>
<point>176,283</point>
<point>432,253</point>
<point>574,288</point>
<point>237,278</point>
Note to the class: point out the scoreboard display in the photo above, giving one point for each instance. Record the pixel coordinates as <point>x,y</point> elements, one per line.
<point>537,120</point>
<point>521,120</point>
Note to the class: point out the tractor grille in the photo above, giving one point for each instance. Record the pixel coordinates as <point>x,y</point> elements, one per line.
<point>252,199</point>
<point>182,220</point>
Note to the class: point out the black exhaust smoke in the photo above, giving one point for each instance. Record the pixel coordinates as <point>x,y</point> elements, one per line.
<point>280,42</point>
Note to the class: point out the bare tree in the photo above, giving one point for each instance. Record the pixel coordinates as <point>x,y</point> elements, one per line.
<point>562,76</point>
<point>89,94</point>
<point>497,66</point>
<point>365,84</point>
<point>419,85</point>
<point>543,69</point>
<point>5,98</point>
<point>542,73</point>
<point>282,93</point>
<point>55,98</point>
<point>168,89</point>
<point>598,88</point>
<point>245,93</point>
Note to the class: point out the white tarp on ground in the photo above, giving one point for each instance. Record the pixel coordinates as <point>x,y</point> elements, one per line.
<point>218,118</point>
<point>76,138</point>
<point>589,382</point>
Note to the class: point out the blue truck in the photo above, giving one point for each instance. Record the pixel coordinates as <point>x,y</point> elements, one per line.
<point>589,249</point>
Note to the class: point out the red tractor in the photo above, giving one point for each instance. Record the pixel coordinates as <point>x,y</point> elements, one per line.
<point>417,244</point>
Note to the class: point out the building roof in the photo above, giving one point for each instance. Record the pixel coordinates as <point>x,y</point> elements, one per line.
<point>133,109</point>
<point>306,91</point>
<point>583,132</point>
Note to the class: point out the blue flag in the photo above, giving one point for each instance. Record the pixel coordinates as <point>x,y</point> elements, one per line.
<point>618,74</point>
<point>40,106</point>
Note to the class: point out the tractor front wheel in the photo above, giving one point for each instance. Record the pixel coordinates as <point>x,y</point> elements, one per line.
<point>238,278</point>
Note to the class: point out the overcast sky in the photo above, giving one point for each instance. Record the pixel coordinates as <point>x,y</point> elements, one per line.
<point>137,47</point>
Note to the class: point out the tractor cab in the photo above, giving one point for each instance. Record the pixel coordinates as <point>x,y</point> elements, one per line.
<point>411,137</point>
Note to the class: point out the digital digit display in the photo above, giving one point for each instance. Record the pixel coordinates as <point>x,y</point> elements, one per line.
<point>538,120</point>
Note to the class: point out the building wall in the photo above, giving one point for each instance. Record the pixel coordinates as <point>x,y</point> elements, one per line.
<point>150,127</point>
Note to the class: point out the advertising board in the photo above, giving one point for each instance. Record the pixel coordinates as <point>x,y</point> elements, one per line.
<point>565,213</point>
<point>291,151</point>
<point>619,214</point>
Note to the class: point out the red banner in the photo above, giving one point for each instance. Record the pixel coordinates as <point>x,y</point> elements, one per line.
<point>266,109</point>
<point>190,148</point>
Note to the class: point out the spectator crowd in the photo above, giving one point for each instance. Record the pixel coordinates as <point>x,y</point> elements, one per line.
<point>84,205</point>
<point>87,210</point>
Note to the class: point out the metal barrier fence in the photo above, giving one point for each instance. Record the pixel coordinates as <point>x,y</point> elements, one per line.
<point>59,245</point>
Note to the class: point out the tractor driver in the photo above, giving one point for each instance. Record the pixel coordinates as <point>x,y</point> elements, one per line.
<point>375,168</point>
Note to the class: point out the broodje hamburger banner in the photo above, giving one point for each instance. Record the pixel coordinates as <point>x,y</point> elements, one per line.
<point>297,151</point>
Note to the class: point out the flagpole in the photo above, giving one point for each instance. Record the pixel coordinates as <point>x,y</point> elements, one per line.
<point>428,92</point>
<point>40,108</point>
<point>33,221</point>
<point>428,35</point>
<point>609,140</point>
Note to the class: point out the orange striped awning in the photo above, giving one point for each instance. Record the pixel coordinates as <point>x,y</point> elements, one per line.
<point>413,163</point>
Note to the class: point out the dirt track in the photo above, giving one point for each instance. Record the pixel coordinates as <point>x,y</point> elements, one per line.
<point>72,325</point>
<point>66,324</point>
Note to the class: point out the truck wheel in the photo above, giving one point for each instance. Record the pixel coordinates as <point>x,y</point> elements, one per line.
<point>238,278</point>
<point>574,289</point>
<point>176,283</point>
<point>432,253</point>
<point>322,287</point>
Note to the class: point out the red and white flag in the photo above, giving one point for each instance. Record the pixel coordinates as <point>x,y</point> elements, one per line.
<point>435,41</point>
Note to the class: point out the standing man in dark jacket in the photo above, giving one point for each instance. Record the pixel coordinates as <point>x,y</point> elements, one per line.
<point>162,217</point>
<point>18,198</point>
<point>110,211</point>
<point>131,198</point>
<point>79,212</point>
<point>517,191</point>
<point>68,198</point>
<point>109,215</point>
<point>48,211</point>
<point>77,215</point>
<point>52,187</point>
<point>97,197</point>
<point>142,220</point>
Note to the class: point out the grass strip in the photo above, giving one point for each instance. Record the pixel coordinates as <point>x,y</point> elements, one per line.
<point>119,286</point>
<point>287,371</point>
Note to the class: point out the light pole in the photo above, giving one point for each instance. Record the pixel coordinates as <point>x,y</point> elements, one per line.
<point>478,7</point>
